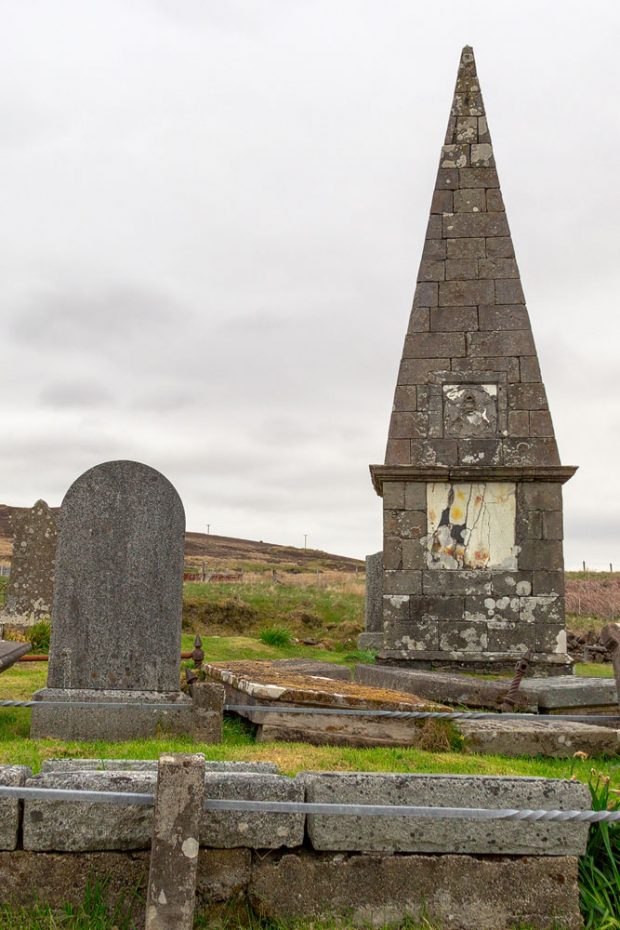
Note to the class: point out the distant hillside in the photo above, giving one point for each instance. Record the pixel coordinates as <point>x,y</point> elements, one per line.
<point>227,552</point>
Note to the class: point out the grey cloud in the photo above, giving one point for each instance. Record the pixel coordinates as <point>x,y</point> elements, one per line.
<point>75,395</point>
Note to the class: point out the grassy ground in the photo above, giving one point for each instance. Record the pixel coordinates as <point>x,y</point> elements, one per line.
<point>20,682</point>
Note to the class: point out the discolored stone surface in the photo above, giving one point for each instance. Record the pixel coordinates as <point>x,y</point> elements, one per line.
<point>31,583</point>
<point>454,892</point>
<point>471,423</point>
<point>411,834</point>
<point>119,582</point>
<point>146,765</point>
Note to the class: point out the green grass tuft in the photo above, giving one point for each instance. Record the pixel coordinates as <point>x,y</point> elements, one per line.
<point>275,636</point>
<point>599,869</point>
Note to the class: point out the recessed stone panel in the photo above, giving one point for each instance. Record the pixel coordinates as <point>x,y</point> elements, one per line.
<point>470,410</point>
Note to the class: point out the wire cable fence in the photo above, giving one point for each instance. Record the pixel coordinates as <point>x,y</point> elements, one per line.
<point>308,807</point>
<point>341,711</point>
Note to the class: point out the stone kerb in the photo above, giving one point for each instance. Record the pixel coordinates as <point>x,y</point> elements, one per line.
<point>116,631</point>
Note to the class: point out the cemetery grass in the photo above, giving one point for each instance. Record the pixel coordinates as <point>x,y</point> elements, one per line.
<point>20,682</point>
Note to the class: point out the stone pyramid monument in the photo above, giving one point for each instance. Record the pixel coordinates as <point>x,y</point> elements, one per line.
<point>471,485</point>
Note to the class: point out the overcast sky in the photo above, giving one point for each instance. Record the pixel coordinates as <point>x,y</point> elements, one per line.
<point>211,218</point>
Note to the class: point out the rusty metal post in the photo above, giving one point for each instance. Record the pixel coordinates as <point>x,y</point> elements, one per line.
<point>510,698</point>
<point>174,849</point>
<point>198,654</point>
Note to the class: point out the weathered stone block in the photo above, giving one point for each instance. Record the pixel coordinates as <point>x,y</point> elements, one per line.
<point>540,423</point>
<point>434,249</point>
<point>434,345</point>
<point>392,552</point>
<point>405,397</point>
<point>457,582</point>
<point>499,246</point>
<point>508,291</point>
<point>518,423</point>
<point>403,582</point>
<point>560,739</point>
<point>454,156</point>
<point>542,609</point>
<point>442,202</point>
<point>434,452</point>
<point>419,320</point>
<point>393,499</point>
<point>396,608</point>
<point>454,319</point>
<point>461,269</point>
<point>432,270</point>
<point>398,452</point>
<point>504,316</point>
<point>447,179</point>
<point>146,765</point>
<point>495,201</point>
<point>492,363</point>
<point>530,369</point>
<point>468,104</point>
<point>479,177</point>
<point>481,155</point>
<point>541,555</point>
<point>417,370</point>
<point>465,248</point>
<point>11,776</point>
<point>482,608</point>
<point>540,495</point>
<point>553,525</point>
<point>420,635</point>
<point>527,397</point>
<point>473,225</point>
<point>498,268</point>
<point>463,637</point>
<point>479,452</point>
<point>511,584</point>
<point>425,295</point>
<point>469,201</point>
<point>550,637</point>
<point>408,524</point>
<point>510,636</point>
<point>531,451</point>
<point>405,425</point>
<point>463,294</point>
<point>548,583</point>
<point>415,495</point>
<point>509,342</point>
<point>413,554</point>
<point>208,711</point>
<point>402,834</point>
<point>466,129</point>
<point>454,892</point>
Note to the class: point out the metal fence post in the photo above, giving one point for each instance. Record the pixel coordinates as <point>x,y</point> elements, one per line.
<point>174,849</point>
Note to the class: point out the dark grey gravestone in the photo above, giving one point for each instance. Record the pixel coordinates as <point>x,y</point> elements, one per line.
<point>372,637</point>
<point>116,630</point>
<point>31,583</point>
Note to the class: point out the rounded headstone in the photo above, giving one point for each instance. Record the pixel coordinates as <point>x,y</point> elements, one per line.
<point>118,596</point>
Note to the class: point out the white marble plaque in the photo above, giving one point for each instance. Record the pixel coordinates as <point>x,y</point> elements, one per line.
<point>471,525</point>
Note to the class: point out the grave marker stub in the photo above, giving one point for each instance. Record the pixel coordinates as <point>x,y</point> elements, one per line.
<point>31,583</point>
<point>116,617</point>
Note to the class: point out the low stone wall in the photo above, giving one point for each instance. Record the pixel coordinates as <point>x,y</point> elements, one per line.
<point>463,874</point>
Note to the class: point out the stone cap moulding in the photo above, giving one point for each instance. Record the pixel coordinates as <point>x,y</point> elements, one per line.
<point>559,474</point>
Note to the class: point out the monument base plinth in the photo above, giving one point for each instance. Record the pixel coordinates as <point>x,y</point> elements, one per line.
<point>541,664</point>
<point>87,714</point>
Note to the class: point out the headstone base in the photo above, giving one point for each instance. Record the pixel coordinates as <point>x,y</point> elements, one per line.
<point>541,664</point>
<point>372,641</point>
<point>139,714</point>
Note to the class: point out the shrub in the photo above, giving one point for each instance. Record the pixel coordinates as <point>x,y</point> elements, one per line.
<point>599,869</point>
<point>39,637</point>
<point>275,636</point>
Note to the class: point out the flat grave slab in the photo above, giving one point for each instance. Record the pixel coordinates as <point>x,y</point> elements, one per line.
<point>557,694</point>
<point>11,652</point>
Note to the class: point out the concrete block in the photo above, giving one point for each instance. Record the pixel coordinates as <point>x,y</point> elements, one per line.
<point>453,892</point>
<point>11,776</point>
<point>410,834</point>
<point>569,694</point>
